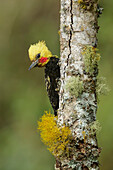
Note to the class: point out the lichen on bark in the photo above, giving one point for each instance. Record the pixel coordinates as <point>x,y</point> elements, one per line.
<point>78,28</point>
<point>74,86</point>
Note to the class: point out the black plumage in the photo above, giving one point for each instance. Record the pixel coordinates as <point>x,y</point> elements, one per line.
<point>52,75</point>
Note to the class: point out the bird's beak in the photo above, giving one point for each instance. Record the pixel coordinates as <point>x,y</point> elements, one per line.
<point>33,64</point>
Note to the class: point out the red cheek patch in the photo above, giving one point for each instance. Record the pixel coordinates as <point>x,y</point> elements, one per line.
<point>43,60</point>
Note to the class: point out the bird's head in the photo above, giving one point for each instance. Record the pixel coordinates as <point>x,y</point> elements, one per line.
<point>39,54</point>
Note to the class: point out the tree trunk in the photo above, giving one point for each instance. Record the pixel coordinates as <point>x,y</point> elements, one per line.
<point>78,29</point>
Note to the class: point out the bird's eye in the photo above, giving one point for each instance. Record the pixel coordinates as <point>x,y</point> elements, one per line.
<point>38,55</point>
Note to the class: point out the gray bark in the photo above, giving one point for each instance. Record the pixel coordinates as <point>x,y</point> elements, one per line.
<point>78,28</point>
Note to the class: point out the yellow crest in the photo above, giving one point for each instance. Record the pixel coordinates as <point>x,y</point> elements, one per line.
<point>37,48</point>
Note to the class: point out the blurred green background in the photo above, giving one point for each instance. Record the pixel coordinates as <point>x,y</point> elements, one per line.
<point>23,97</point>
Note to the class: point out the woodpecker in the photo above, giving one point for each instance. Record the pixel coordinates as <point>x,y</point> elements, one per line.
<point>40,56</point>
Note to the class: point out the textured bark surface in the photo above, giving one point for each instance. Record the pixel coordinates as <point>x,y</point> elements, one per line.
<point>78,28</point>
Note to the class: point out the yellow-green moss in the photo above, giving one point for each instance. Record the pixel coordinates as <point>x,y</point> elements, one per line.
<point>88,4</point>
<point>101,87</point>
<point>95,127</point>
<point>74,86</point>
<point>56,138</point>
<point>91,58</point>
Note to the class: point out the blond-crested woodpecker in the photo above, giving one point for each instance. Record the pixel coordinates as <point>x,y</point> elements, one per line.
<point>40,56</point>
